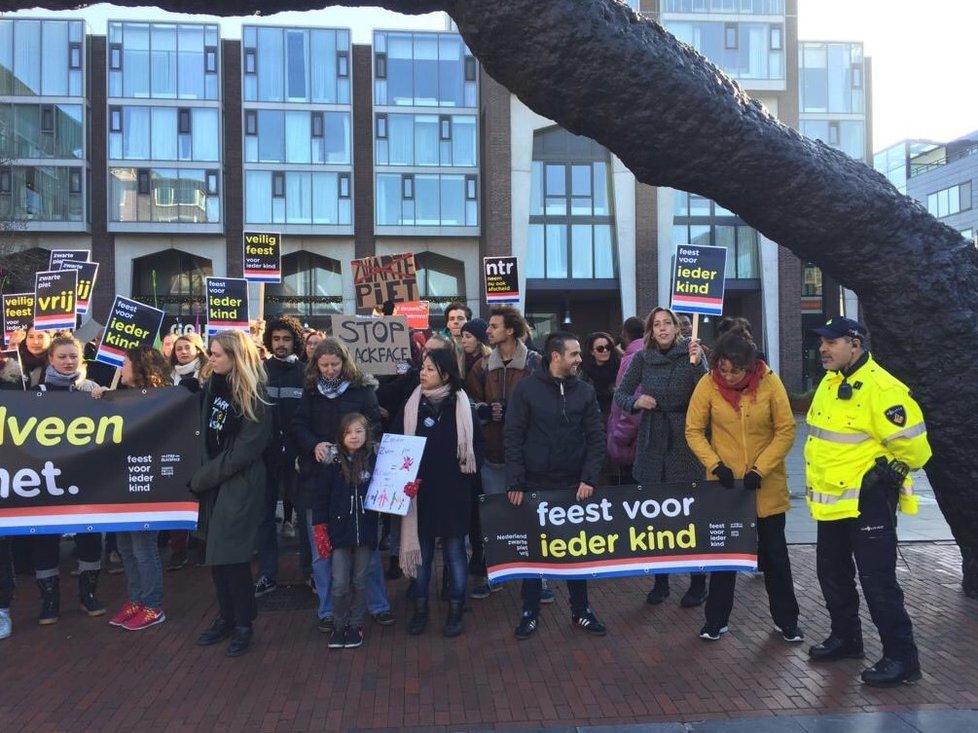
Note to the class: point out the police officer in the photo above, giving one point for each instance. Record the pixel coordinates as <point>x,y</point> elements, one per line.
<point>865,433</point>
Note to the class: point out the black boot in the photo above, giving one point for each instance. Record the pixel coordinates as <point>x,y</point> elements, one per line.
<point>419,621</point>
<point>240,641</point>
<point>219,630</point>
<point>893,672</point>
<point>659,592</point>
<point>453,622</point>
<point>837,647</point>
<point>394,568</point>
<point>87,585</point>
<point>696,594</point>
<point>50,600</point>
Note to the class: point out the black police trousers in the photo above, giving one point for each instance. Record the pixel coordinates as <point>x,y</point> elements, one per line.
<point>869,540</point>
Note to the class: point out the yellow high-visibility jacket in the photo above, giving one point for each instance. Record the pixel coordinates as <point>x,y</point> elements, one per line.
<point>845,437</point>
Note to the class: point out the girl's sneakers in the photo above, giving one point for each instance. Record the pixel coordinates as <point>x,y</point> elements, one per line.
<point>128,611</point>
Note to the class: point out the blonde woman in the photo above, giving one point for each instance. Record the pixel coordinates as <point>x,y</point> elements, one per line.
<point>230,485</point>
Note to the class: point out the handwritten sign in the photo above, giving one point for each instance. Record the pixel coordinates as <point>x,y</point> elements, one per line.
<point>54,300</point>
<point>130,324</point>
<point>502,279</point>
<point>398,459</point>
<point>227,304</point>
<point>698,280</point>
<point>378,345</point>
<point>262,257</point>
<point>385,277</point>
<point>18,311</point>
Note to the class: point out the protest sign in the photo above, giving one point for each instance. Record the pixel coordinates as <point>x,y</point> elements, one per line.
<point>180,326</point>
<point>54,300</point>
<point>262,257</point>
<point>416,313</point>
<point>130,324</point>
<point>698,279</point>
<point>398,459</point>
<point>378,345</point>
<point>627,530</point>
<point>227,304</point>
<point>385,277</point>
<point>87,273</point>
<point>69,463</point>
<point>67,255</point>
<point>18,313</point>
<point>502,279</point>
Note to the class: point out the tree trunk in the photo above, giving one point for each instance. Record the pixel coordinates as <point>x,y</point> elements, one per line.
<point>676,120</point>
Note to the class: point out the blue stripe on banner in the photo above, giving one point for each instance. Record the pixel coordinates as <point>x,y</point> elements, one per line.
<point>557,574</point>
<point>100,527</point>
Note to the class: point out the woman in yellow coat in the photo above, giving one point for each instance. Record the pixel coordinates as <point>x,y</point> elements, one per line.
<point>743,407</point>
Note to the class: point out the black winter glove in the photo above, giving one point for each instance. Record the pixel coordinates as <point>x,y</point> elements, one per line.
<point>752,481</point>
<point>724,476</point>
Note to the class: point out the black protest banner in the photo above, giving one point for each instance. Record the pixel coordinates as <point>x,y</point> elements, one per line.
<point>262,257</point>
<point>130,324</point>
<point>385,277</point>
<point>698,279</point>
<point>87,273</point>
<point>227,304</point>
<point>69,463</point>
<point>54,300</point>
<point>378,345</point>
<point>18,313</point>
<point>502,279</point>
<point>67,255</point>
<point>620,530</point>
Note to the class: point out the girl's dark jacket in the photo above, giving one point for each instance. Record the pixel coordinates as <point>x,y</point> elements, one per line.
<point>317,419</point>
<point>340,505</point>
<point>230,484</point>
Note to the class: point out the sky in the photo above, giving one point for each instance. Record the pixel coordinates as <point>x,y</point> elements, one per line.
<point>922,52</point>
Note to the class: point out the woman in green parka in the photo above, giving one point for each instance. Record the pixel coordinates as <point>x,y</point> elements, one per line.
<point>230,485</point>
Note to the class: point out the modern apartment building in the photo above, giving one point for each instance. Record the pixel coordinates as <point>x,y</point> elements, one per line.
<point>159,143</point>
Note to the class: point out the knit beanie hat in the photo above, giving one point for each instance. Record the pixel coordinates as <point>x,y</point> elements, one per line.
<point>477,327</point>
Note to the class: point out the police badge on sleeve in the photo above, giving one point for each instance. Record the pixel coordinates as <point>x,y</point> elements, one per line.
<point>896,415</point>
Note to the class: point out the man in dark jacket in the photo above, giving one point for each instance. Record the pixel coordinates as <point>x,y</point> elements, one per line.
<point>554,439</point>
<point>282,339</point>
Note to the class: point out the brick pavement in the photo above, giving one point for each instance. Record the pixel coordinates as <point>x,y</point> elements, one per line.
<point>82,675</point>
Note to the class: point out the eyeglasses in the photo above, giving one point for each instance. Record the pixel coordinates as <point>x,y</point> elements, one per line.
<point>602,348</point>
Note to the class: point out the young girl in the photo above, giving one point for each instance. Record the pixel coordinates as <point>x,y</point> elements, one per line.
<point>343,484</point>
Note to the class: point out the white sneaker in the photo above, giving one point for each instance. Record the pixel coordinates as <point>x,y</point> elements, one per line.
<point>5,626</point>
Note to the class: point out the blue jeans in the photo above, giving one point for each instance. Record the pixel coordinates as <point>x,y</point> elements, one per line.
<point>456,564</point>
<point>144,571</point>
<point>322,571</point>
<point>350,566</point>
<point>493,478</point>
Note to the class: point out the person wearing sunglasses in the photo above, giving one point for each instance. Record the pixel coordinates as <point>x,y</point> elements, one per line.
<point>600,368</point>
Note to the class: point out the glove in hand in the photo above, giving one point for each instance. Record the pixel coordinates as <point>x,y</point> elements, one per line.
<point>724,476</point>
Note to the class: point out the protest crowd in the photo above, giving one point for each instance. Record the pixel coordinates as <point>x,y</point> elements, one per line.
<point>290,425</point>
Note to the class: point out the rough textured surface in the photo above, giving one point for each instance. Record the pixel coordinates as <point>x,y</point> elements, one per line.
<point>676,120</point>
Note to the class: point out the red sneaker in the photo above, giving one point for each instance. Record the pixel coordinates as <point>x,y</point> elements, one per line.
<point>128,611</point>
<point>144,619</point>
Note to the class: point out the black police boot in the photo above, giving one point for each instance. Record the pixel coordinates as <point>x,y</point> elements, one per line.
<point>240,641</point>
<point>50,600</point>
<point>87,585</point>
<point>893,672</point>
<point>837,647</point>
<point>453,622</point>
<point>419,621</point>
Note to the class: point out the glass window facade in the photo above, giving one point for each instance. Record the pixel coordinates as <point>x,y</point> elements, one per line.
<point>164,195</point>
<point>441,279</point>
<point>697,220</point>
<point>572,225</point>
<point>300,136</point>
<point>41,58</point>
<point>831,78</point>
<point>951,200</point>
<point>744,50</point>
<point>309,65</point>
<point>164,133</point>
<point>423,70</point>
<point>849,136</point>
<point>163,61</point>
<point>408,199</point>
<point>173,281</point>
<point>42,131</point>
<point>426,140</point>
<point>298,197</point>
<point>723,7</point>
<point>312,285</point>
<point>41,193</point>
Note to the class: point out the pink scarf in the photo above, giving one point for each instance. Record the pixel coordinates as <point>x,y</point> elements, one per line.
<point>410,553</point>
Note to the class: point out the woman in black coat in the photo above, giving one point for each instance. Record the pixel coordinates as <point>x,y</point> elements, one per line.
<point>334,387</point>
<point>440,411</point>
<point>230,485</point>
